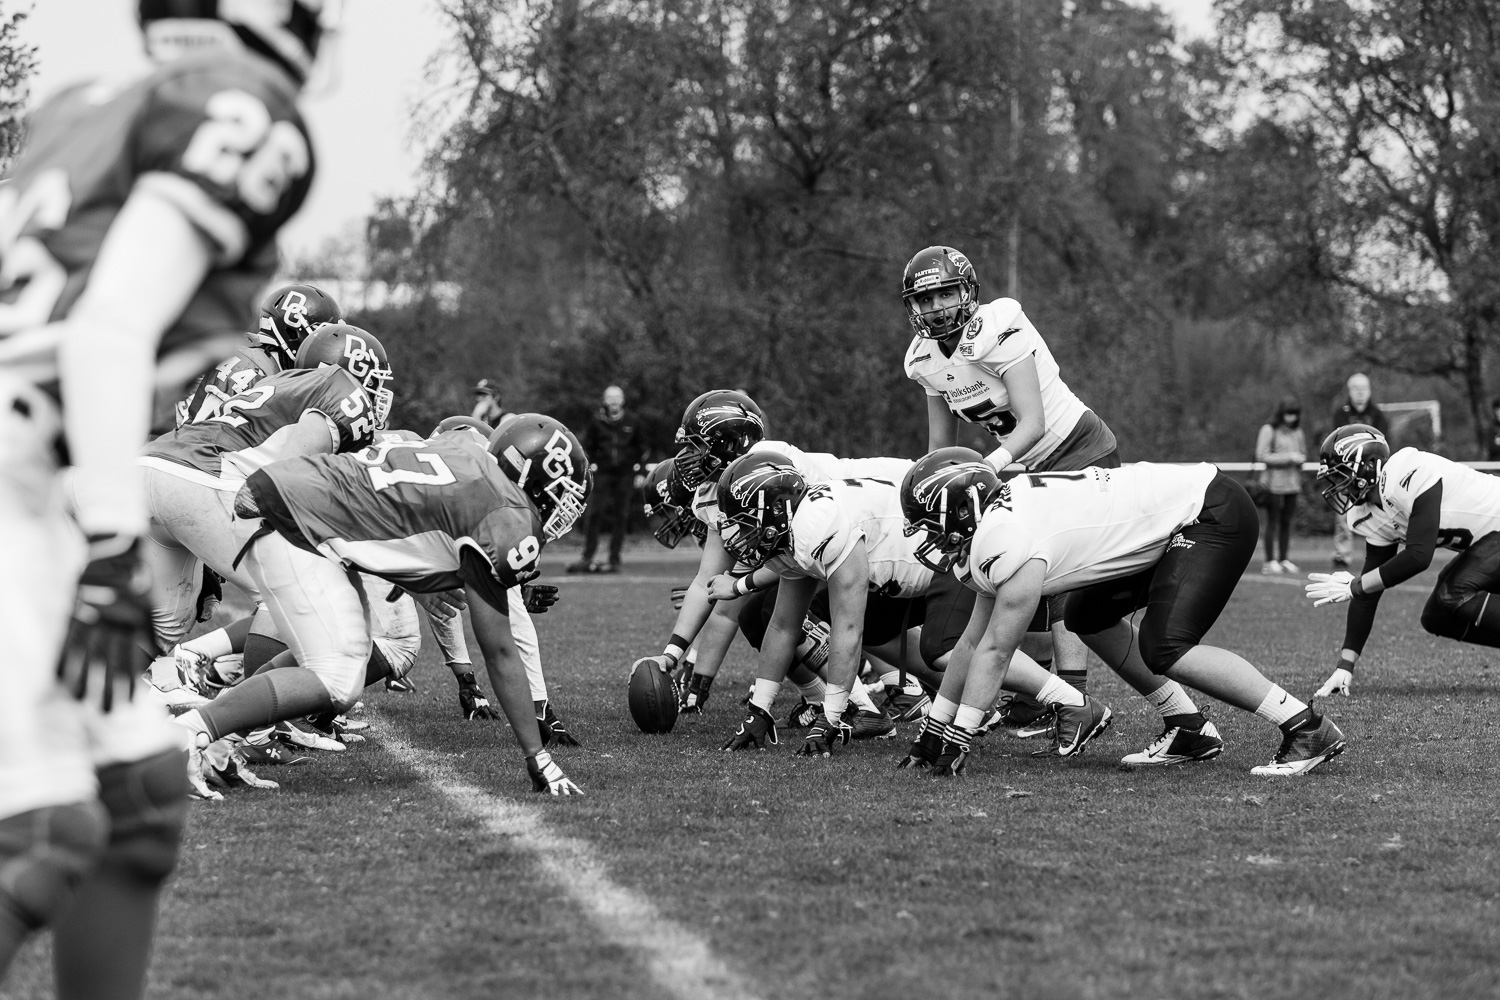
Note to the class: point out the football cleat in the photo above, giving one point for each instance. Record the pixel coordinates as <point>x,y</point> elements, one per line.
<point>867,725</point>
<point>236,773</point>
<point>400,685</point>
<point>1304,749</point>
<point>335,727</point>
<point>1179,746</point>
<point>903,705</point>
<point>803,714</point>
<point>298,736</point>
<point>193,670</point>
<point>1025,717</point>
<point>954,753</point>
<point>264,748</point>
<point>927,746</point>
<point>824,735</point>
<point>757,730</point>
<point>1077,725</point>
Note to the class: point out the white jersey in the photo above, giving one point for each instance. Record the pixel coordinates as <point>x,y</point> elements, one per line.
<point>815,467</point>
<point>1470,508</point>
<point>996,339</point>
<point>1098,524</point>
<point>836,515</point>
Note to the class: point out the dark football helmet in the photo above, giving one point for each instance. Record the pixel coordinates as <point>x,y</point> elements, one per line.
<point>284,31</point>
<point>758,494</point>
<point>944,494</point>
<point>717,428</point>
<point>289,314</point>
<point>1349,465</point>
<point>543,457</point>
<point>463,423</point>
<point>930,270</point>
<point>669,506</point>
<point>357,352</point>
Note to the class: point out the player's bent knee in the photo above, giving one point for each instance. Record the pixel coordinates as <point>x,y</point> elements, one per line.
<point>1440,620</point>
<point>1161,651</point>
<point>147,803</point>
<point>45,854</point>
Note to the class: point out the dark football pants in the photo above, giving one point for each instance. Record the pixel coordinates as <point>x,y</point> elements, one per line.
<point>1186,591</point>
<point>1465,604</point>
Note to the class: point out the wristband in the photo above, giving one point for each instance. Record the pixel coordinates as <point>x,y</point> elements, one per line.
<point>743,586</point>
<point>998,454</point>
<point>676,647</point>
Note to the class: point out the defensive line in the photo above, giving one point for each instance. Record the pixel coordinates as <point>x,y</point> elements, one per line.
<point>679,960</point>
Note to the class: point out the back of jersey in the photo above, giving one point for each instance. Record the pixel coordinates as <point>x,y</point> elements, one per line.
<point>834,515</point>
<point>218,136</point>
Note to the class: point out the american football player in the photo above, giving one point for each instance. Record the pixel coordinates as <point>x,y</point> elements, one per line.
<point>1406,506</point>
<point>849,534</point>
<point>986,364</point>
<point>135,234</point>
<point>1173,540</point>
<point>428,516</point>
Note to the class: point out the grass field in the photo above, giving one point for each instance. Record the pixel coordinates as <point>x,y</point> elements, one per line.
<point>1376,876</point>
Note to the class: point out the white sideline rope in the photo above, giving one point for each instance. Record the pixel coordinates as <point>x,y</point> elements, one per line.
<point>679,960</point>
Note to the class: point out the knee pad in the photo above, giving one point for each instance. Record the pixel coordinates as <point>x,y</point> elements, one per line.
<point>45,854</point>
<point>147,803</point>
<point>400,653</point>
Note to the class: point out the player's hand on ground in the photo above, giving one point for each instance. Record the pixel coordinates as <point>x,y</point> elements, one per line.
<point>824,735</point>
<point>471,700</point>
<point>758,730</point>
<point>1338,683</point>
<point>110,640</point>
<point>721,587</point>
<point>1329,588</point>
<point>539,597</point>
<point>551,727</point>
<point>679,594</point>
<point>547,777</point>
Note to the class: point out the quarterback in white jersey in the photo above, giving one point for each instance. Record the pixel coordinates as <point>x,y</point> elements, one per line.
<point>1173,540</point>
<point>1414,502</point>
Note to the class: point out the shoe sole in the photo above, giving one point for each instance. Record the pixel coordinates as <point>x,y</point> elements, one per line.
<point>1304,766</point>
<point>1174,759</point>
<point>1083,741</point>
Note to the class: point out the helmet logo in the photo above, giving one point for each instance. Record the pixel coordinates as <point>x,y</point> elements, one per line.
<point>712,416</point>
<point>929,489</point>
<point>361,360</point>
<point>959,261</point>
<point>1351,447</point>
<point>559,461</point>
<point>743,489</point>
<point>294,310</point>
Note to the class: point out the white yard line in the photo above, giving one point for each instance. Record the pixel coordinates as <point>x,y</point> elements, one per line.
<point>679,960</point>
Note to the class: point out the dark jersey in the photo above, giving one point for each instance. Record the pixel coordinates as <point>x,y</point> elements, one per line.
<point>217,135</point>
<point>243,369</point>
<point>251,429</point>
<point>417,513</point>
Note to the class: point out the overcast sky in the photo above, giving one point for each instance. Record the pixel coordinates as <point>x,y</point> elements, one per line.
<point>361,127</point>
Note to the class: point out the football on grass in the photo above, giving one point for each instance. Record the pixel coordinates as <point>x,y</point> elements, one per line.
<point>653,698</point>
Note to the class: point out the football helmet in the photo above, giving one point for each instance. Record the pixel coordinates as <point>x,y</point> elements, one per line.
<point>758,494</point>
<point>1349,465</point>
<point>358,353</point>
<point>289,314</point>
<point>543,457</point>
<point>717,428</point>
<point>463,423</point>
<point>669,506</point>
<point>285,31</point>
<point>930,270</point>
<point>944,494</point>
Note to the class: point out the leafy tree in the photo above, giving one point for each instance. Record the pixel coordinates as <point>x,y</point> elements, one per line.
<point>17,66</point>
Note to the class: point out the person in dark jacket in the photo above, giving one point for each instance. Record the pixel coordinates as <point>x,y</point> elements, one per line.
<point>617,448</point>
<point>1357,407</point>
<point>1493,452</point>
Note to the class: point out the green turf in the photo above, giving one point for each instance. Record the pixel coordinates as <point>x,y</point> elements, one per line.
<point>1376,876</point>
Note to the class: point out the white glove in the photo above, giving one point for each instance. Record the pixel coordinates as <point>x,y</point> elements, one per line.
<point>1329,588</point>
<point>547,777</point>
<point>1337,684</point>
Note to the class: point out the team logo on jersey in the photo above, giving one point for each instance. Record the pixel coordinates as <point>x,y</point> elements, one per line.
<point>559,461</point>
<point>1406,479</point>
<point>967,350</point>
<point>294,310</point>
<point>971,332</point>
<point>361,359</point>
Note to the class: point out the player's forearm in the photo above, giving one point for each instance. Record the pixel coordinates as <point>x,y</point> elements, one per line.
<point>508,679</point>
<point>714,640</point>
<point>844,655</point>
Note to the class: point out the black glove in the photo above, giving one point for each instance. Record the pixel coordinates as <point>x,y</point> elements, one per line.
<point>823,737</point>
<point>209,595</point>
<point>551,727</point>
<point>471,700</point>
<point>546,776</point>
<point>110,639</point>
<point>757,730</point>
<point>695,695</point>
<point>539,597</point>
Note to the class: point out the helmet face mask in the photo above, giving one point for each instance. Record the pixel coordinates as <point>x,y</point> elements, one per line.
<point>668,506</point>
<point>758,494</point>
<point>944,495</point>
<point>717,428</point>
<point>930,273</point>
<point>545,460</point>
<point>1349,466</point>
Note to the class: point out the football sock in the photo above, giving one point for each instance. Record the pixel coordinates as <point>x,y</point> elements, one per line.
<point>270,696</point>
<point>764,694</point>
<point>860,696</point>
<point>943,709</point>
<point>891,678</point>
<point>461,667</point>
<point>1078,679</point>
<point>835,701</point>
<point>814,690</point>
<point>213,644</point>
<point>969,718</point>
<point>259,650</point>
<point>1278,707</point>
<point>1176,707</point>
<point>1057,691</point>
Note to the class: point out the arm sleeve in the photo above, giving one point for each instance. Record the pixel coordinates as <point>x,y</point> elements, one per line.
<point>1263,444</point>
<point>1361,616</point>
<point>474,570</point>
<point>1421,538</point>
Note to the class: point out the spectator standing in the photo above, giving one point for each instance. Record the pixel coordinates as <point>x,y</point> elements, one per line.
<point>1357,407</point>
<point>487,405</point>
<point>1283,448</point>
<point>1493,452</point>
<point>617,449</point>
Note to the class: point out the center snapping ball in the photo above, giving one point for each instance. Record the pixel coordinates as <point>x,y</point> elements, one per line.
<point>653,697</point>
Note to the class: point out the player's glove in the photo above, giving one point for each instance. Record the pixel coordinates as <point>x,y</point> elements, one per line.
<point>547,777</point>
<point>110,641</point>
<point>695,695</point>
<point>1338,683</point>
<point>209,595</point>
<point>824,735</point>
<point>757,730</point>
<point>471,700</point>
<point>551,726</point>
<point>1329,588</point>
<point>679,594</point>
<point>539,597</point>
